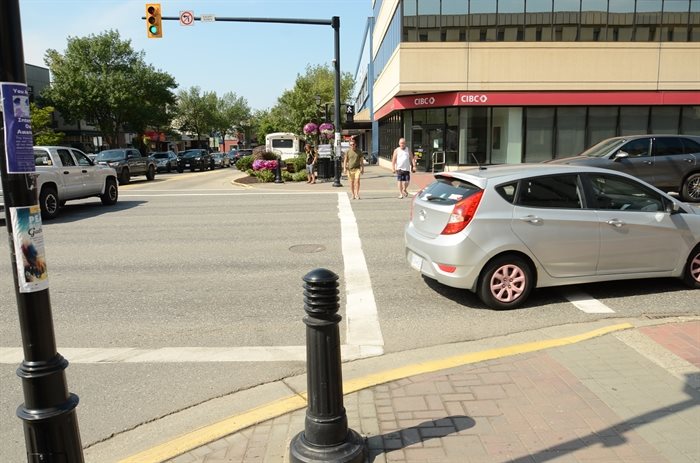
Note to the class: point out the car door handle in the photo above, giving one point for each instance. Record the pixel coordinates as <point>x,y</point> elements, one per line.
<point>84,171</point>
<point>648,162</point>
<point>531,219</point>
<point>66,172</point>
<point>615,222</point>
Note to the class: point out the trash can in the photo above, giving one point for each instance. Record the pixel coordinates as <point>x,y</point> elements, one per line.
<point>325,168</point>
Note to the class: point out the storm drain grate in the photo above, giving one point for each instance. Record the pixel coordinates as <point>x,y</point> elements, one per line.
<point>307,248</point>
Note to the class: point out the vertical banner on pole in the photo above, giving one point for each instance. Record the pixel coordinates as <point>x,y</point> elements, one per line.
<point>28,238</point>
<point>18,128</point>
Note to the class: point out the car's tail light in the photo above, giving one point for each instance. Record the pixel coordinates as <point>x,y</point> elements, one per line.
<point>447,268</point>
<point>462,214</point>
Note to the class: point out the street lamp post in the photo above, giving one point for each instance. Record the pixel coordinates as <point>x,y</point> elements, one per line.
<point>336,150</point>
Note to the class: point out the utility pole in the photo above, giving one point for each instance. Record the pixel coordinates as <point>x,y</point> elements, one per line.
<point>48,412</point>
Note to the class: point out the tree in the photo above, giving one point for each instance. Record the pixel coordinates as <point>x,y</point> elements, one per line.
<point>298,105</point>
<point>196,112</point>
<point>101,78</point>
<point>231,110</point>
<point>41,126</point>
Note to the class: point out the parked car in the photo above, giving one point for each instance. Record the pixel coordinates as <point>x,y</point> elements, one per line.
<point>220,160</point>
<point>232,156</point>
<point>503,230</point>
<point>65,174</point>
<point>196,158</point>
<point>165,160</point>
<point>128,162</point>
<point>669,162</point>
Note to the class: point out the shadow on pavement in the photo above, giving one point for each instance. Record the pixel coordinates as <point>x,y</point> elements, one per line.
<point>420,433</point>
<point>613,435</point>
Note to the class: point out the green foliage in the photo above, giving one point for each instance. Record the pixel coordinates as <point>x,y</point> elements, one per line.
<point>231,110</point>
<point>264,155</point>
<point>299,162</point>
<point>196,112</point>
<point>297,106</point>
<point>101,78</point>
<point>286,176</point>
<point>245,163</point>
<point>299,176</point>
<point>41,126</point>
<point>264,175</point>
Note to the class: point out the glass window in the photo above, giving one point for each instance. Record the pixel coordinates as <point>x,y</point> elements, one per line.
<point>634,120</point>
<point>41,158</point>
<point>410,21</point>
<point>482,6</point>
<point>539,128</point>
<point>667,146</point>
<point>66,158</point>
<point>690,122</point>
<point>694,21</point>
<point>566,20</point>
<point>455,7</point>
<point>560,191</point>
<point>621,6</point>
<point>507,191</point>
<point>428,7</point>
<point>690,146</point>
<point>602,124</point>
<point>618,193</point>
<point>436,116</point>
<point>675,20</point>
<point>637,148</point>
<point>83,160</point>
<point>571,131</point>
<point>665,119</point>
<point>511,6</point>
<point>448,191</point>
<point>428,21</point>
<point>594,19</point>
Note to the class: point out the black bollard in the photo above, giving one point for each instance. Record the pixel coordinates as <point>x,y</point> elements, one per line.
<point>278,171</point>
<point>326,436</point>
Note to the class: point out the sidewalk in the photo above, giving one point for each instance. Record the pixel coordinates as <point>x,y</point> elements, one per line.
<point>607,391</point>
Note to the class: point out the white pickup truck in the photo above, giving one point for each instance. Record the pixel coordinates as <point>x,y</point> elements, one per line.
<point>64,174</point>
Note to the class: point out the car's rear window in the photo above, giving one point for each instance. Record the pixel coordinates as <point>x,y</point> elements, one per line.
<point>448,190</point>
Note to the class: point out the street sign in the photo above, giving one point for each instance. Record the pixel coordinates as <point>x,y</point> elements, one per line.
<point>187,18</point>
<point>208,18</point>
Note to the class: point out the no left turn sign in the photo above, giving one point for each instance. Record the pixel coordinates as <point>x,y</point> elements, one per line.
<point>186,18</point>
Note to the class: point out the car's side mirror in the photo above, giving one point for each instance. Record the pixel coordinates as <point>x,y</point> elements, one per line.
<point>621,155</point>
<point>673,207</point>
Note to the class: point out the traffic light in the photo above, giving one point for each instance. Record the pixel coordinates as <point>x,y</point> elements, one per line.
<point>153,21</point>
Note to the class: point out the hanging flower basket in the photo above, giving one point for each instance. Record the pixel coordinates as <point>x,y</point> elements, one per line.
<point>326,129</point>
<point>310,128</point>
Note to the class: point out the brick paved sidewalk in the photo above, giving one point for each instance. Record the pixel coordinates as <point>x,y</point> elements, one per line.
<point>601,400</point>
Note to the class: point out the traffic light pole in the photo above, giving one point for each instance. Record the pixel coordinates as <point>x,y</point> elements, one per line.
<point>335,23</point>
<point>48,412</point>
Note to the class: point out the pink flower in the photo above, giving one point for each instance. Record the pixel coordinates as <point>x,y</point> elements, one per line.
<point>310,128</point>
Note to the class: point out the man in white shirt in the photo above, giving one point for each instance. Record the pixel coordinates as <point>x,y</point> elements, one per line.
<point>402,164</point>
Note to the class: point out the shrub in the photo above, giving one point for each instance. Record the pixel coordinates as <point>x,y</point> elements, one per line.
<point>265,155</point>
<point>244,163</point>
<point>299,176</point>
<point>299,162</point>
<point>264,175</point>
<point>286,176</point>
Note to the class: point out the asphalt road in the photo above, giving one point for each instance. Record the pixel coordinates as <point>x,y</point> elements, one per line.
<point>196,264</point>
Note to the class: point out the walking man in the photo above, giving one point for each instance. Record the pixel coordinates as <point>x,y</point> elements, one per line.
<point>402,164</point>
<point>353,165</point>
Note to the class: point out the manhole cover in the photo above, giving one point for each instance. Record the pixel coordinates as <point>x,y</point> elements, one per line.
<point>307,248</point>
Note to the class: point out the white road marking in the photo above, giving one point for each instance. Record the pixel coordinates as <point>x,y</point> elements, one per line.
<point>360,308</point>
<point>363,335</point>
<point>585,302</point>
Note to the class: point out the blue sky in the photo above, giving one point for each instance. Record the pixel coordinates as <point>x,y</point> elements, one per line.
<point>256,61</point>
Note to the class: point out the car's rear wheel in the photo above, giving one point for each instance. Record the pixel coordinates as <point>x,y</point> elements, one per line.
<point>690,191</point>
<point>111,194</point>
<point>124,177</point>
<point>691,274</point>
<point>151,173</point>
<point>505,282</point>
<point>49,202</point>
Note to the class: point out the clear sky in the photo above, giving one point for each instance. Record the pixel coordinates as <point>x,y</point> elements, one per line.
<point>256,61</point>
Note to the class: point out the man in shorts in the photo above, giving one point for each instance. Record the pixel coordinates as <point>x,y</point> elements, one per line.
<point>402,164</point>
<point>353,166</point>
<point>311,159</point>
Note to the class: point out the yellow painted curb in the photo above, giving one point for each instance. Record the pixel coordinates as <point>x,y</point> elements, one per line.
<point>223,428</point>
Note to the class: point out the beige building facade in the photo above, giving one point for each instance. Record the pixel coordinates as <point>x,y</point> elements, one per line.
<point>509,81</point>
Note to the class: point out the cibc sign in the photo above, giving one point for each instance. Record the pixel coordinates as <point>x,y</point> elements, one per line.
<point>473,98</point>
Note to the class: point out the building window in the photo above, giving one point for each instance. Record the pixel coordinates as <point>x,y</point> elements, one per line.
<point>690,120</point>
<point>602,123</point>
<point>634,120</point>
<point>539,134</point>
<point>665,119</point>
<point>571,131</point>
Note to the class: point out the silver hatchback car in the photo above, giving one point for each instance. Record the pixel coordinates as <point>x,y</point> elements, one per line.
<point>503,230</point>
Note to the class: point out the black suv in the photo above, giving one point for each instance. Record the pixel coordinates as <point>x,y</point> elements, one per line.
<point>195,159</point>
<point>669,162</point>
<point>128,162</point>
